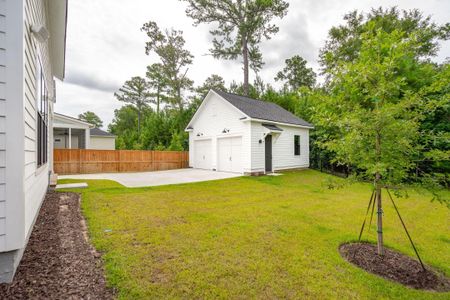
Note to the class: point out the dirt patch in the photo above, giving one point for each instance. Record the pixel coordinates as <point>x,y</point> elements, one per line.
<point>394,266</point>
<point>59,262</point>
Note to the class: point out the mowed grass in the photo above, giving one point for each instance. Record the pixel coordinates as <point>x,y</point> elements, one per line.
<point>253,237</point>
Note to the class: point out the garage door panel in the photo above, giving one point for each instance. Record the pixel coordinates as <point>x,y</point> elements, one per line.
<point>230,154</point>
<point>202,154</point>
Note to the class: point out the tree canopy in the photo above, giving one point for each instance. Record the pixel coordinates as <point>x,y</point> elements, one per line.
<point>135,92</point>
<point>92,118</point>
<point>174,61</point>
<point>296,74</point>
<point>241,26</point>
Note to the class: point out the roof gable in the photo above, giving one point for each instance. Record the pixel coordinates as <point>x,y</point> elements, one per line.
<point>211,96</point>
<point>262,110</point>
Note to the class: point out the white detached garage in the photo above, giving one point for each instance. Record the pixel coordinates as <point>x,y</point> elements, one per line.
<point>233,133</point>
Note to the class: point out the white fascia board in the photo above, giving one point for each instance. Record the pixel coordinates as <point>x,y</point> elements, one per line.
<point>278,123</point>
<point>57,22</point>
<point>71,120</point>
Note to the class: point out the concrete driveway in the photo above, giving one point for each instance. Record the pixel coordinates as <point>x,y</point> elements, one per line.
<point>157,177</point>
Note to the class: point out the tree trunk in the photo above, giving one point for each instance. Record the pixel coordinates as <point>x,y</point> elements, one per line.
<point>378,199</point>
<point>157,100</point>
<point>245,58</point>
<point>139,123</point>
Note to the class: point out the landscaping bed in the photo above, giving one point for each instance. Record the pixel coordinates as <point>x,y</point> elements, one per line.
<point>394,266</point>
<point>58,262</point>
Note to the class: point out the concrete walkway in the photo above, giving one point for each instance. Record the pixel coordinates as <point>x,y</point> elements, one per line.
<point>156,178</point>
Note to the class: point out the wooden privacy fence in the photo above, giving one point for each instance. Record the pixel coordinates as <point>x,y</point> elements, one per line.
<point>84,161</point>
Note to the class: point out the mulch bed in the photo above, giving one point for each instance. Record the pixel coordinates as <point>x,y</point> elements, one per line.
<point>59,262</point>
<point>394,266</point>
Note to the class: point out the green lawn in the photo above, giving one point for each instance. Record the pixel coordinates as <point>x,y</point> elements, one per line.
<point>253,237</point>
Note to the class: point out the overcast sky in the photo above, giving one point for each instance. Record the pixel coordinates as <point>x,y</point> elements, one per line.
<point>105,46</point>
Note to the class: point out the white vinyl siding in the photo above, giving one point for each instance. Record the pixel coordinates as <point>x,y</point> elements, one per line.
<point>283,149</point>
<point>258,149</point>
<point>2,123</point>
<point>102,143</point>
<point>283,156</point>
<point>36,180</point>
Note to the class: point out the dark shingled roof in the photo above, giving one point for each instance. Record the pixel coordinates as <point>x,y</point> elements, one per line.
<point>263,110</point>
<point>99,132</point>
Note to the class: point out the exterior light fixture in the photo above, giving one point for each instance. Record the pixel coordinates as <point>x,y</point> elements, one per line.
<point>225,130</point>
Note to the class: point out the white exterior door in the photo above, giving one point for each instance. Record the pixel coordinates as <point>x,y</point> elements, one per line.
<point>229,154</point>
<point>202,154</point>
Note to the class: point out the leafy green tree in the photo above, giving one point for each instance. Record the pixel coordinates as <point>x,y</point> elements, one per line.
<point>241,26</point>
<point>344,45</point>
<point>92,118</point>
<point>169,46</point>
<point>375,112</point>
<point>345,41</point>
<point>157,82</point>
<point>157,130</point>
<point>176,144</point>
<point>433,161</point>
<point>215,82</point>
<point>135,92</point>
<point>296,74</point>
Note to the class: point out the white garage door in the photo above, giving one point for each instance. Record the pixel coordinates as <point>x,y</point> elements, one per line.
<point>202,154</point>
<point>229,154</point>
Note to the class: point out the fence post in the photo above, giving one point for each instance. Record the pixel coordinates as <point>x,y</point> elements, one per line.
<point>79,161</point>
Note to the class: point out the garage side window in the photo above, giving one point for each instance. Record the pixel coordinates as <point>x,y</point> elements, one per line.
<point>296,145</point>
<point>42,116</point>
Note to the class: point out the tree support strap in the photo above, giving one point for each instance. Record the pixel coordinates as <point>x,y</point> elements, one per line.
<point>372,198</point>
<point>406,230</point>
<point>371,215</point>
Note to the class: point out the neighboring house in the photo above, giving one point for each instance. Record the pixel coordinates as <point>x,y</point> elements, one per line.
<point>32,54</point>
<point>102,140</point>
<point>233,133</point>
<point>72,133</point>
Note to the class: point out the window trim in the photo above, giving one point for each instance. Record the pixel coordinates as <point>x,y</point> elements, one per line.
<point>297,145</point>
<point>42,118</point>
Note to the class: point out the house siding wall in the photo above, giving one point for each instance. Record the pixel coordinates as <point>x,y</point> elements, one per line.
<point>11,127</point>
<point>2,124</point>
<point>212,118</point>
<point>36,180</point>
<point>102,143</point>
<point>282,148</point>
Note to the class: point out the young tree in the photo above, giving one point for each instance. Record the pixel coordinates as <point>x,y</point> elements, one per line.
<point>92,118</point>
<point>157,81</point>
<point>214,81</point>
<point>374,111</point>
<point>241,25</point>
<point>169,46</point>
<point>295,74</point>
<point>135,92</point>
<point>344,44</point>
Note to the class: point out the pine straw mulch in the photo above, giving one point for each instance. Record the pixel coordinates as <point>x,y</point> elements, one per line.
<point>59,262</point>
<point>394,266</point>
